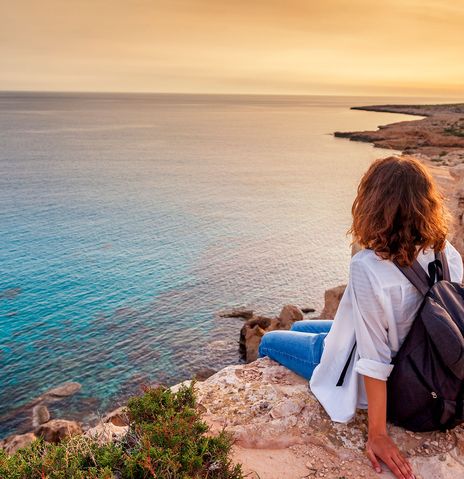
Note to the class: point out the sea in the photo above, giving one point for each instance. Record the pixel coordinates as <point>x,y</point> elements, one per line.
<point>128,222</point>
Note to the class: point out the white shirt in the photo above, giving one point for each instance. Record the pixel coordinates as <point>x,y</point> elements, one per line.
<point>377,310</point>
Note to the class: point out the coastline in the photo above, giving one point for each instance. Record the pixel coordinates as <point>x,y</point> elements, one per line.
<point>439,136</point>
<point>278,427</point>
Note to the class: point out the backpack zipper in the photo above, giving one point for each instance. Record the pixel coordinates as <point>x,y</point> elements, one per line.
<point>422,379</point>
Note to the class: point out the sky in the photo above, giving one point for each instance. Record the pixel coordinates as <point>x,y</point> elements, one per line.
<point>346,47</point>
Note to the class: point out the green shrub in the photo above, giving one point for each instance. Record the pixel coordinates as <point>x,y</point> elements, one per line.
<point>166,440</point>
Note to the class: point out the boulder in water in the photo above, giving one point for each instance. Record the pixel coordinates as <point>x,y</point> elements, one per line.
<point>64,390</point>
<point>40,415</point>
<point>237,313</point>
<point>288,315</point>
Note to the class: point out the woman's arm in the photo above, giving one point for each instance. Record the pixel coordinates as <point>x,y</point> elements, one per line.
<point>379,444</point>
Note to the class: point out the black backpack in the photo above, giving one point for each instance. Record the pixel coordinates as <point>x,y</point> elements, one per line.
<point>425,388</point>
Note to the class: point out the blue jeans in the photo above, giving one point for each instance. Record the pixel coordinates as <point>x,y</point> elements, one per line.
<point>299,349</point>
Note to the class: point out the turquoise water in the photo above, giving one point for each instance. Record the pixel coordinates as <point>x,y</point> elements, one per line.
<point>128,221</point>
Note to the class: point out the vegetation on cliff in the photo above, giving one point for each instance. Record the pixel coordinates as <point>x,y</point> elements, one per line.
<point>166,439</point>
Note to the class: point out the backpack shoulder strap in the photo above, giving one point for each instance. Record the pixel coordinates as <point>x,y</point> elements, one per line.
<point>416,275</point>
<point>443,271</point>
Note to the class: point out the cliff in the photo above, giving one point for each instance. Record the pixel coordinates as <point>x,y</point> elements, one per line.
<point>439,136</point>
<point>281,431</point>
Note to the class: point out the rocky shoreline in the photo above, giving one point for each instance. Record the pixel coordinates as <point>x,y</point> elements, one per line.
<point>439,136</point>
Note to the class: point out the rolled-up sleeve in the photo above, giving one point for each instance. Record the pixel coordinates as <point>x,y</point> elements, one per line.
<point>370,314</point>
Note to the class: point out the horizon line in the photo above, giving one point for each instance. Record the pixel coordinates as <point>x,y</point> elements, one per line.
<point>116,92</point>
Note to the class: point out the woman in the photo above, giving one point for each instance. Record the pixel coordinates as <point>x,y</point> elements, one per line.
<point>398,214</point>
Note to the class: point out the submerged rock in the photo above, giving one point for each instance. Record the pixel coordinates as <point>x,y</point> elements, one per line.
<point>10,293</point>
<point>280,429</point>
<point>64,390</point>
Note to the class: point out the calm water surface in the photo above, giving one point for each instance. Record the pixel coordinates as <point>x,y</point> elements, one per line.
<point>128,221</point>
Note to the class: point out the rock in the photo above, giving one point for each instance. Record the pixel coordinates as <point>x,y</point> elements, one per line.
<point>254,329</point>
<point>307,310</point>
<point>58,429</point>
<point>332,299</point>
<point>287,407</point>
<point>106,432</point>
<point>278,424</point>
<point>40,415</point>
<point>289,315</point>
<point>457,172</point>
<point>118,417</point>
<point>251,333</point>
<point>10,293</point>
<point>65,389</point>
<point>237,313</point>
<point>204,373</point>
<point>18,441</point>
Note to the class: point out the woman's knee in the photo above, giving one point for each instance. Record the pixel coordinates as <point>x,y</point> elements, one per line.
<point>268,341</point>
<point>301,325</point>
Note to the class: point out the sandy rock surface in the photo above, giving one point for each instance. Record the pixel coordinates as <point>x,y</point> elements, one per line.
<point>281,431</point>
<point>17,441</point>
<point>106,432</point>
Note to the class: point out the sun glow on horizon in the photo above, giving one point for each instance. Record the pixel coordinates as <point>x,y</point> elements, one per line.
<point>399,47</point>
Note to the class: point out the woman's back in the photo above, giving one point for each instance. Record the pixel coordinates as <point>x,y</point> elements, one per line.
<point>377,308</point>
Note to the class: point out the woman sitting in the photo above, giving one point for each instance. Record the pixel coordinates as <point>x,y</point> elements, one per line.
<point>398,214</point>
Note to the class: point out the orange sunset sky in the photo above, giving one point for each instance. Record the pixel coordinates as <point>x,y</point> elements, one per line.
<point>358,47</point>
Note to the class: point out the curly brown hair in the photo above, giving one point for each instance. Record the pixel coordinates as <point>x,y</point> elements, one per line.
<point>399,210</point>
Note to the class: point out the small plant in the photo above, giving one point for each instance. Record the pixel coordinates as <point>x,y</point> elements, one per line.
<point>456,129</point>
<point>166,440</point>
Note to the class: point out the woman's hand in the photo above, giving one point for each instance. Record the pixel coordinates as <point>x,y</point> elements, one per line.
<point>379,444</point>
<point>382,447</point>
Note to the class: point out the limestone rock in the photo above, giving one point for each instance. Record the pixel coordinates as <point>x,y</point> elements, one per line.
<point>40,415</point>
<point>456,205</point>
<point>18,441</point>
<point>332,299</point>
<point>106,432</point>
<point>57,429</point>
<point>457,172</point>
<point>252,332</point>
<point>281,430</point>
<point>118,417</point>
<point>289,315</point>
